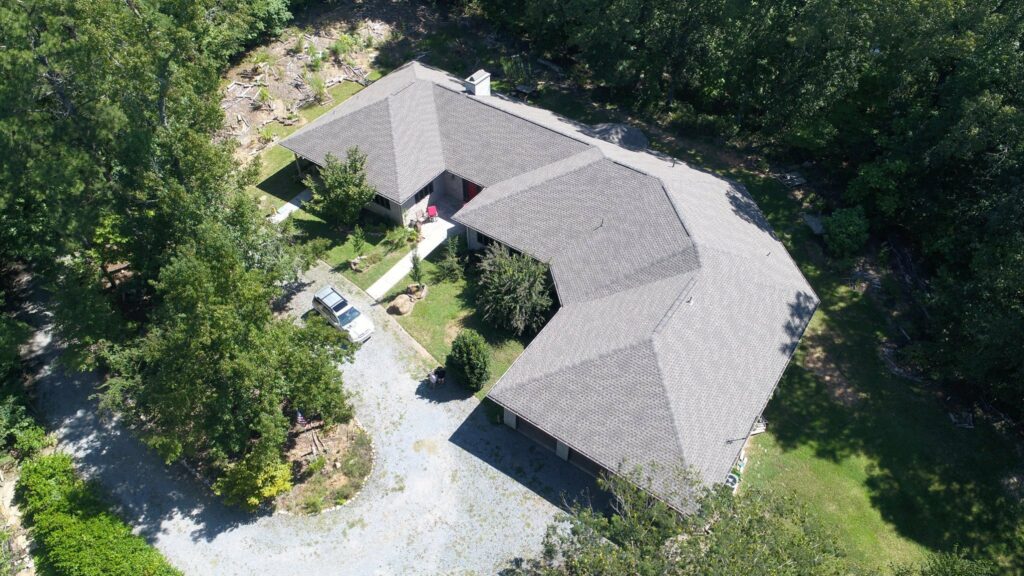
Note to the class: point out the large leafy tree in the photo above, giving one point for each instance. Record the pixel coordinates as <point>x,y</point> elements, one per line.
<point>515,290</point>
<point>342,189</point>
<point>213,375</point>
<point>724,535</point>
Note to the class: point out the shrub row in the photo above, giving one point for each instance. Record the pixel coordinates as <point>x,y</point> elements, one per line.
<point>74,530</point>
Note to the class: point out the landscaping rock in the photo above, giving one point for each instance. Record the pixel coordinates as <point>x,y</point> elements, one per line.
<point>814,222</point>
<point>416,291</point>
<point>401,305</point>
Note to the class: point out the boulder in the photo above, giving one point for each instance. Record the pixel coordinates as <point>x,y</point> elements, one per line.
<point>416,291</point>
<point>401,305</point>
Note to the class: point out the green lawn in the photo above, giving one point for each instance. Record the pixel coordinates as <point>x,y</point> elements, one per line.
<point>448,307</point>
<point>341,251</point>
<point>883,466</point>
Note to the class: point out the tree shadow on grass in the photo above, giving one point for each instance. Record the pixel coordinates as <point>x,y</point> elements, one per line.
<point>938,485</point>
<point>283,184</point>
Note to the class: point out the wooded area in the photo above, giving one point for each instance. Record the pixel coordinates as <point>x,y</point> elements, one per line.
<point>163,272</point>
<point>161,269</point>
<point>911,110</point>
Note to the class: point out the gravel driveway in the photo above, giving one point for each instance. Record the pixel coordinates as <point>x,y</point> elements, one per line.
<point>450,493</point>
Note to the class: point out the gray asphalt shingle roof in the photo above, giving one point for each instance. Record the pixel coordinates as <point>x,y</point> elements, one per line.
<point>679,307</point>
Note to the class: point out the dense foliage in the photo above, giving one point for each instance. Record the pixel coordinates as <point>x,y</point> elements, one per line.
<point>341,190</point>
<point>724,535</point>
<point>450,267</point>
<point>913,108</point>
<point>846,231</point>
<point>515,290</point>
<point>470,359</point>
<point>74,530</point>
<point>162,270</point>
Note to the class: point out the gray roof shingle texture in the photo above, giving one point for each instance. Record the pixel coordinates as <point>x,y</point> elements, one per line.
<point>679,307</point>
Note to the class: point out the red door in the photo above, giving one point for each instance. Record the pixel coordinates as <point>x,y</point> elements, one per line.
<point>469,190</point>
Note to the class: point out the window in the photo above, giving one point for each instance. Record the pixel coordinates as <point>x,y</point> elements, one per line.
<point>382,201</point>
<point>483,240</point>
<point>426,191</point>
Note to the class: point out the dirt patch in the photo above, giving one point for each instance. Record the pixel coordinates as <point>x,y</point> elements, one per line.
<point>818,361</point>
<point>329,467</point>
<point>264,93</point>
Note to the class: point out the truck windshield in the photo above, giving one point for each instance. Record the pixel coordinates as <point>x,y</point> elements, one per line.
<point>346,317</point>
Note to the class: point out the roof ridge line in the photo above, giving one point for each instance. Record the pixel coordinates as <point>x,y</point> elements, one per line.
<point>643,341</point>
<point>510,113</point>
<point>691,274</point>
<point>690,282</point>
<point>669,401</point>
<point>664,391</point>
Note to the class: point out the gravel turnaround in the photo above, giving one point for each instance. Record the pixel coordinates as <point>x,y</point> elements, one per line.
<point>450,492</point>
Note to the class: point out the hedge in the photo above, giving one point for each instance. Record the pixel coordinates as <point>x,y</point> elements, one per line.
<point>74,531</point>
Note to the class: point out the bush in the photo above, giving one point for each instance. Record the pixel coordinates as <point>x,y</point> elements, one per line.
<point>846,231</point>
<point>19,432</point>
<point>417,268</point>
<point>470,359</point>
<point>342,190</point>
<point>258,477</point>
<point>30,440</point>
<point>318,87</point>
<point>515,290</point>
<point>449,269</point>
<point>342,46</point>
<point>73,529</point>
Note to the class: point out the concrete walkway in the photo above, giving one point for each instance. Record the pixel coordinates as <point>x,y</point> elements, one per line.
<point>291,206</point>
<point>434,234</point>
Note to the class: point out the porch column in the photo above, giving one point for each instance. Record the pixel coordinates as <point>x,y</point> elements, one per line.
<point>298,165</point>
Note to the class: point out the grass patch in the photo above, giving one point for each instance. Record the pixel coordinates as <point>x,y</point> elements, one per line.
<point>342,252</point>
<point>449,307</point>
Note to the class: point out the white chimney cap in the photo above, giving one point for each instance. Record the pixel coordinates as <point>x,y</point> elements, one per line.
<point>479,84</point>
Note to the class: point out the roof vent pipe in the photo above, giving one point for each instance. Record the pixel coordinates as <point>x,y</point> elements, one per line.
<point>479,84</point>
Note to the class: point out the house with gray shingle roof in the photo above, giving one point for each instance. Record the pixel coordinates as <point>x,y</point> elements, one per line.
<point>678,307</point>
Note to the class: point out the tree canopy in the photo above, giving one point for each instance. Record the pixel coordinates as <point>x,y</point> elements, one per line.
<point>342,190</point>
<point>515,290</point>
<point>162,271</point>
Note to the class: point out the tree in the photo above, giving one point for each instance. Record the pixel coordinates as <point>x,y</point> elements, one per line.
<point>416,273</point>
<point>725,535</point>
<point>214,372</point>
<point>515,290</point>
<point>358,240</point>
<point>450,267</point>
<point>846,231</point>
<point>342,189</point>
<point>470,359</point>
